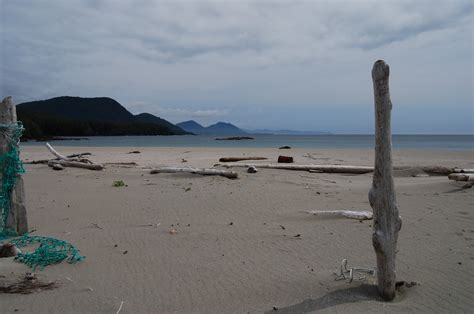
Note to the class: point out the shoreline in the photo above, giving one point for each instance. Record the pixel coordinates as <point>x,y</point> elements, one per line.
<point>229,243</point>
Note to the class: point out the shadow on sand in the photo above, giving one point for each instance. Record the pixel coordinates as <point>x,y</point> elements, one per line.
<point>350,295</point>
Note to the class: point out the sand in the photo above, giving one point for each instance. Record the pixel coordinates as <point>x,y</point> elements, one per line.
<point>236,248</point>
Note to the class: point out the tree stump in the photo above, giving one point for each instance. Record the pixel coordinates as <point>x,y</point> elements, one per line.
<point>16,219</point>
<point>387,222</point>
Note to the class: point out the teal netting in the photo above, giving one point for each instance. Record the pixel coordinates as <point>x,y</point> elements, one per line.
<point>49,250</point>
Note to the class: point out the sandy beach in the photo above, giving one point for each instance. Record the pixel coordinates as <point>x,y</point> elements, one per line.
<point>241,245</point>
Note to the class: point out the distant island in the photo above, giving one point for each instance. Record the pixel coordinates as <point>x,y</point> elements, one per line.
<point>220,128</point>
<point>76,116</point>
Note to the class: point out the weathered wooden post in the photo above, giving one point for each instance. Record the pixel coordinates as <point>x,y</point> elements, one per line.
<point>382,199</point>
<point>16,219</point>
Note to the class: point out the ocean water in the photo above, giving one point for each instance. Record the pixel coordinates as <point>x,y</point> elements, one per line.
<point>423,142</point>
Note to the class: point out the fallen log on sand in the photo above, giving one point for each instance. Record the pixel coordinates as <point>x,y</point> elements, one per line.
<point>321,168</point>
<point>202,171</point>
<point>45,161</point>
<point>461,176</point>
<point>75,164</point>
<point>361,215</point>
<point>233,159</point>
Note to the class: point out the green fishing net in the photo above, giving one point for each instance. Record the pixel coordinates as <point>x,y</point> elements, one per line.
<point>49,250</point>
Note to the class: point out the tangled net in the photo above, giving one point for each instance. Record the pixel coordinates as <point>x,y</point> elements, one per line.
<point>50,250</point>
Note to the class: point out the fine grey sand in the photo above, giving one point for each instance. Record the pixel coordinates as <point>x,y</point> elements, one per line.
<point>236,248</point>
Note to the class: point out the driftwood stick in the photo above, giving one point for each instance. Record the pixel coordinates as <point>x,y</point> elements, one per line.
<point>17,219</point>
<point>75,164</point>
<point>55,153</point>
<point>461,176</point>
<point>387,222</point>
<point>355,214</point>
<point>45,161</point>
<point>458,170</point>
<point>321,168</point>
<point>233,159</point>
<point>202,171</point>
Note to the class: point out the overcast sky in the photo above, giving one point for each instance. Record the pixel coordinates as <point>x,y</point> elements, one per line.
<point>302,65</point>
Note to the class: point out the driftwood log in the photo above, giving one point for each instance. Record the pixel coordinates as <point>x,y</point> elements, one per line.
<point>76,162</point>
<point>234,159</point>
<point>355,214</point>
<point>387,222</point>
<point>461,176</point>
<point>45,161</point>
<point>17,219</point>
<point>319,168</point>
<point>202,171</point>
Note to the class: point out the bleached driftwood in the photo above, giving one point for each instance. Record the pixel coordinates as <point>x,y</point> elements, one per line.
<point>461,176</point>
<point>17,219</point>
<point>320,168</point>
<point>233,159</point>
<point>202,171</point>
<point>387,222</point>
<point>458,170</point>
<point>45,161</point>
<point>75,164</point>
<point>355,214</point>
<point>55,153</point>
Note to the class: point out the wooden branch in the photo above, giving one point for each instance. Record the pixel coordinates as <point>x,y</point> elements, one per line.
<point>458,170</point>
<point>45,161</point>
<point>387,222</point>
<point>75,164</point>
<point>233,159</point>
<point>360,215</point>
<point>17,218</point>
<point>319,168</point>
<point>461,176</point>
<point>55,153</point>
<point>202,171</point>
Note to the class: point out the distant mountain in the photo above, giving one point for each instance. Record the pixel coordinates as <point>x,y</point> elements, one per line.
<point>76,116</point>
<point>149,118</point>
<point>191,126</point>
<point>286,132</point>
<point>220,128</point>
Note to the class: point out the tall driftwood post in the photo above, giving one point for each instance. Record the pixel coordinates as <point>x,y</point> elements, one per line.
<point>387,221</point>
<point>16,219</point>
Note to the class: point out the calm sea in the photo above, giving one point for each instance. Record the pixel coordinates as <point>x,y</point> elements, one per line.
<point>429,142</point>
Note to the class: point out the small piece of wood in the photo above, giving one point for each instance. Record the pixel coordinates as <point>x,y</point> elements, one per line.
<point>57,166</point>
<point>17,218</point>
<point>319,168</point>
<point>387,222</point>
<point>202,171</point>
<point>458,170</point>
<point>75,164</point>
<point>233,159</point>
<point>461,176</point>
<point>285,159</point>
<point>360,215</point>
<point>252,170</point>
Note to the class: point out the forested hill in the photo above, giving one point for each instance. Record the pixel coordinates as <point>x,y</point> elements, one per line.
<point>76,116</point>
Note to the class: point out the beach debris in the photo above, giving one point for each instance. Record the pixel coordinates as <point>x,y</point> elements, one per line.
<point>285,147</point>
<point>118,183</point>
<point>382,198</point>
<point>354,214</point>
<point>252,169</point>
<point>461,176</point>
<point>134,152</point>
<point>345,273</point>
<point>26,284</point>
<point>285,159</point>
<point>234,159</point>
<point>319,168</point>
<point>57,167</point>
<point>97,226</point>
<point>297,236</point>
<point>45,161</point>
<point>173,231</point>
<point>468,185</point>
<point>201,171</point>
<point>231,223</point>
<point>282,227</point>
<point>121,164</point>
<point>183,160</point>
<point>120,308</point>
<point>77,162</point>
<point>8,250</point>
<point>234,138</point>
